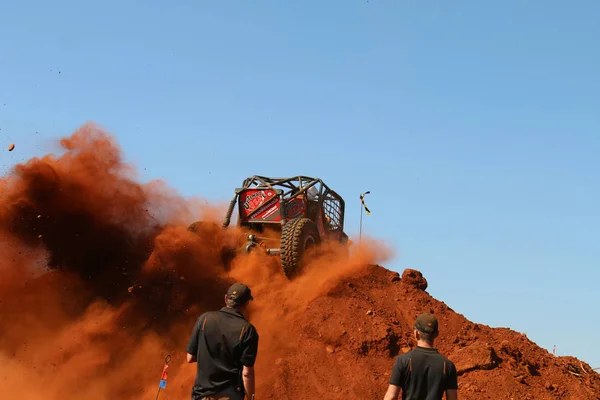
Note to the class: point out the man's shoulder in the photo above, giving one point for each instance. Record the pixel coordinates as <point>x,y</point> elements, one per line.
<point>448,362</point>
<point>254,329</point>
<point>251,328</point>
<point>206,314</point>
<point>404,357</point>
<point>444,358</point>
<point>417,352</point>
<point>409,354</point>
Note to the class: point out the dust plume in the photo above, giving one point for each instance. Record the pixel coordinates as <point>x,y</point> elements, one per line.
<point>100,278</point>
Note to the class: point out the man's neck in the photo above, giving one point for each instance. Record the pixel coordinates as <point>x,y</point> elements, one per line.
<point>427,345</point>
<point>237,309</point>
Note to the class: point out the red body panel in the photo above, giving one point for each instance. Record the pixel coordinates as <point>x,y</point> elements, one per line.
<point>259,205</point>
<point>264,205</point>
<point>252,199</point>
<point>268,212</point>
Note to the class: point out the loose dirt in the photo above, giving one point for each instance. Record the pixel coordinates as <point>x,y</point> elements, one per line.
<point>100,279</point>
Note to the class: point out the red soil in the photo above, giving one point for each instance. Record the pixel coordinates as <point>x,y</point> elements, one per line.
<point>100,279</point>
<point>346,342</point>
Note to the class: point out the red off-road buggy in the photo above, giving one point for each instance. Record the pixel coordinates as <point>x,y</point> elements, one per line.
<point>286,217</point>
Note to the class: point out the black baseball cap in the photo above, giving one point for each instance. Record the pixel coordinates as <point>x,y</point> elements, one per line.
<point>426,323</point>
<point>239,293</point>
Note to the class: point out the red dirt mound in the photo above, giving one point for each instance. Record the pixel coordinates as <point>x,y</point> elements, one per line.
<point>346,341</point>
<point>100,279</point>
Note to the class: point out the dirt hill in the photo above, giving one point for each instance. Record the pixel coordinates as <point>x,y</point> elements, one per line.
<point>347,340</point>
<point>100,279</point>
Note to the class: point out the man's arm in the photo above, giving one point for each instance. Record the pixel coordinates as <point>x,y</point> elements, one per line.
<point>396,381</point>
<point>452,386</point>
<point>249,354</point>
<point>392,393</point>
<point>248,378</point>
<point>452,394</point>
<point>192,347</point>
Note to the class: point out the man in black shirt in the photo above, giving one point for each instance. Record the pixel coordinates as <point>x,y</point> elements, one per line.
<point>225,346</point>
<point>423,373</point>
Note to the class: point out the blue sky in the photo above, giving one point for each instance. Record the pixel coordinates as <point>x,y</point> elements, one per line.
<point>475,125</point>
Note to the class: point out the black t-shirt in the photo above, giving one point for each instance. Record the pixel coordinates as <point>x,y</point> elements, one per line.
<point>223,342</point>
<point>423,374</point>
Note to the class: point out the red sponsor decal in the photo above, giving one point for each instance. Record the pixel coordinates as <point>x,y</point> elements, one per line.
<point>268,212</point>
<point>252,199</point>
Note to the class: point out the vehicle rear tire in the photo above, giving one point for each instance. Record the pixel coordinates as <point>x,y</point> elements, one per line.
<point>297,237</point>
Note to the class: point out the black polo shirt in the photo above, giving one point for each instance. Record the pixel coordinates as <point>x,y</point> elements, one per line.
<point>423,374</point>
<point>223,342</point>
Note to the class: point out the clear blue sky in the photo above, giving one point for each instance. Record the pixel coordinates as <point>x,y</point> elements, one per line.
<point>475,124</point>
